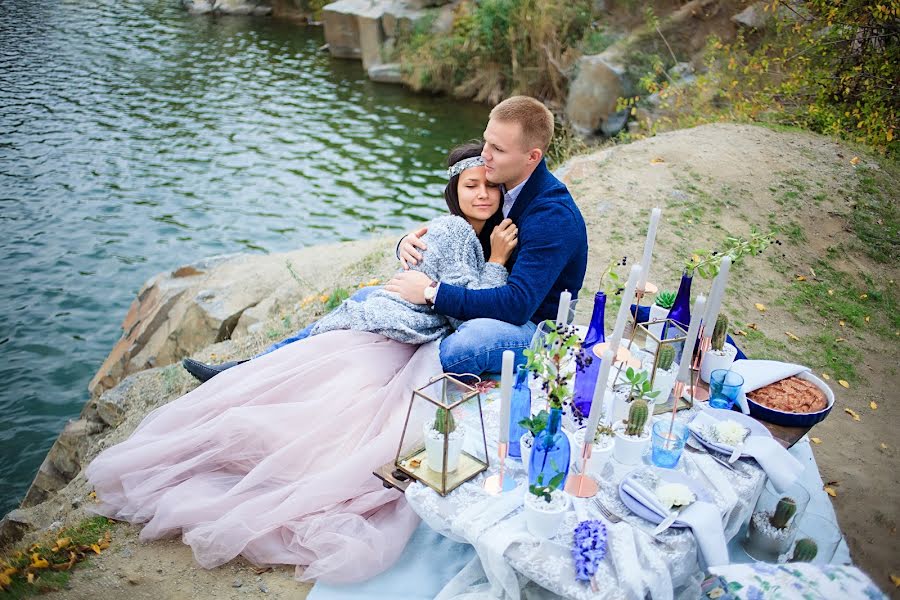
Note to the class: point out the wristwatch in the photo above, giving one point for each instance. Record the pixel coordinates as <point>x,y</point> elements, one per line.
<point>430,293</point>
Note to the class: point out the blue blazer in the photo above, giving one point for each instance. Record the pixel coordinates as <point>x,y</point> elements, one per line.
<point>551,257</point>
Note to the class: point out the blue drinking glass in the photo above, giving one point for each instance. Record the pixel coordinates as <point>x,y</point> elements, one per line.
<point>667,446</point>
<point>724,387</point>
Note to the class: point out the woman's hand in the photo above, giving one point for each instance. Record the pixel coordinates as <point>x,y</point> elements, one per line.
<point>503,240</point>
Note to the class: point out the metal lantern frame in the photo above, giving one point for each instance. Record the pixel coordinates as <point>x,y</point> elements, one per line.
<point>414,463</point>
<point>680,337</point>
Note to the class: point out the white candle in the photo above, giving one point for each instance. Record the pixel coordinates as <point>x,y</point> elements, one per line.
<point>684,369</point>
<point>562,313</point>
<point>625,307</point>
<point>506,377</point>
<point>599,391</point>
<point>715,296</point>
<point>648,248</point>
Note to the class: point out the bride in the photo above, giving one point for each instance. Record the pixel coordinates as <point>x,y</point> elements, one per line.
<point>273,459</point>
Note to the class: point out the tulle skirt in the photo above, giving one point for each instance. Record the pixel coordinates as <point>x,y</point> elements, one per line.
<point>273,459</point>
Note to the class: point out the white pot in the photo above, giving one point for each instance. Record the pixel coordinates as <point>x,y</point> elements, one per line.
<point>628,450</point>
<point>656,312</point>
<point>601,452</point>
<point>713,360</point>
<point>525,443</point>
<point>663,383</point>
<point>543,519</point>
<point>434,448</point>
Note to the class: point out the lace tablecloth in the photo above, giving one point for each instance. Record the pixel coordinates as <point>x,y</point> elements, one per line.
<point>635,565</point>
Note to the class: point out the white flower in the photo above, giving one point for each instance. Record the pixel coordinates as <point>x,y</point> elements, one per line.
<point>674,494</point>
<point>729,432</point>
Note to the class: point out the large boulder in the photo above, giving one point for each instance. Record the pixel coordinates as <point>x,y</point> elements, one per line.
<point>229,7</point>
<point>593,94</point>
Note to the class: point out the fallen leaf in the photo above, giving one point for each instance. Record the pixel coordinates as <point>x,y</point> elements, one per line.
<point>657,161</point>
<point>30,578</point>
<point>740,332</point>
<point>752,326</point>
<point>867,318</point>
<point>815,440</point>
<point>830,491</point>
<point>873,405</point>
<point>826,376</point>
<point>863,296</point>
<point>792,336</point>
<point>895,580</point>
<point>39,563</point>
<point>841,323</point>
<point>884,446</point>
<point>373,281</point>
<point>801,278</point>
<point>760,307</point>
<point>5,580</point>
<point>95,548</point>
<point>323,298</point>
<point>63,542</point>
<point>831,292</point>
<point>840,339</point>
<point>854,160</point>
<point>844,383</point>
<point>92,495</point>
<point>852,413</point>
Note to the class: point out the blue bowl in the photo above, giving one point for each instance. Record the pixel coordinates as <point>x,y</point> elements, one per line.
<point>790,419</point>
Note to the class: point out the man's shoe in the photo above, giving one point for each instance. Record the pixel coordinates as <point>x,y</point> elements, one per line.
<point>205,372</point>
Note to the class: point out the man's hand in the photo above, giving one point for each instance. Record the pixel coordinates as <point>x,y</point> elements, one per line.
<point>410,286</point>
<point>409,256</point>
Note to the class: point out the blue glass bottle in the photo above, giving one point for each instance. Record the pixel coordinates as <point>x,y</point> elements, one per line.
<point>681,308</point>
<point>520,408</point>
<point>551,453</point>
<point>586,375</point>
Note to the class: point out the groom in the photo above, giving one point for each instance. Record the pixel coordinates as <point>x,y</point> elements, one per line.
<point>551,255</point>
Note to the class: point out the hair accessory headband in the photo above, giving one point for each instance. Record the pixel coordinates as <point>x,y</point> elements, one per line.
<point>466,163</point>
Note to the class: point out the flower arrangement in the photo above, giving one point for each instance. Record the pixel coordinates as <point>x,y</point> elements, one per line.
<point>705,263</point>
<point>549,361</point>
<point>588,548</point>
<point>674,494</point>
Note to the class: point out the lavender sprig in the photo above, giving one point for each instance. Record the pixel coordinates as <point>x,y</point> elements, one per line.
<point>588,548</point>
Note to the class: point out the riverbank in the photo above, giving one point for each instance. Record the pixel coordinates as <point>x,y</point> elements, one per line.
<point>710,181</point>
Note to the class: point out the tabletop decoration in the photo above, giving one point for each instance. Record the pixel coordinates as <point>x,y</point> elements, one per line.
<point>659,311</point>
<point>583,485</point>
<point>774,523</point>
<point>587,366</point>
<point>664,341</point>
<point>631,435</point>
<point>588,549</point>
<point>713,303</point>
<point>520,410</point>
<point>805,550</point>
<point>437,458</point>
<point>498,483</point>
<point>546,504</point>
<point>622,353</point>
<point>533,426</point>
<point>720,355</point>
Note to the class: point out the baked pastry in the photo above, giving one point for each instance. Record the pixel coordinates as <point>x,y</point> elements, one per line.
<point>791,394</point>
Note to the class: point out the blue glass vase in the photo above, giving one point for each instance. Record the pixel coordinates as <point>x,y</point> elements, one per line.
<point>681,308</point>
<point>520,408</point>
<point>586,374</point>
<point>550,453</point>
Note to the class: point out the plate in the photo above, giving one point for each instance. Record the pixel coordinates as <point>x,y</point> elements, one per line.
<point>724,414</point>
<point>635,506</point>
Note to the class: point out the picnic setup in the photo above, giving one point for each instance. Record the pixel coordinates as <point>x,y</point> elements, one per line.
<point>655,460</point>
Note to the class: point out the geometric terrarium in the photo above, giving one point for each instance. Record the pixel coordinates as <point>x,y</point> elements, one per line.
<point>664,340</point>
<point>443,443</point>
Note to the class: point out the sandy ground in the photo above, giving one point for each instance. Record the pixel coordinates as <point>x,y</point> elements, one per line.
<point>709,181</point>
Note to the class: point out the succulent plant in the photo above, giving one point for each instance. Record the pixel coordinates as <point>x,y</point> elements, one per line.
<point>637,417</point>
<point>639,384</point>
<point>805,550</point>
<point>536,423</point>
<point>784,510</point>
<point>666,357</point>
<point>603,429</point>
<point>444,423</point>
<point>720,332</point>
<point>665,299</point>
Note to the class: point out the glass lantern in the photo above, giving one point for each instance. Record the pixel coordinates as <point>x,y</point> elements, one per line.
<point>443,443</point>
<point>663,340</point>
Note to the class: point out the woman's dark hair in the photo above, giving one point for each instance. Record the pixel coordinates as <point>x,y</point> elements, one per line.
<point>451,195</point>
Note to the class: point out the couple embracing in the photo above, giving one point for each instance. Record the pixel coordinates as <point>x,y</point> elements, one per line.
<point>273,459</point>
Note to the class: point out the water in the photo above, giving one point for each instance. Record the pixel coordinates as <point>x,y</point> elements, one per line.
<point>135,138</point>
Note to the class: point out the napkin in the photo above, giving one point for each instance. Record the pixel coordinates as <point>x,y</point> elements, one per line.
<point>702,517</point>
<point>760,373</point>
<point>782,468</point>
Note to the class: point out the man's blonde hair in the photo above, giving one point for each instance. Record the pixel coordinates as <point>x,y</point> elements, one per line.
<point>535,119</point>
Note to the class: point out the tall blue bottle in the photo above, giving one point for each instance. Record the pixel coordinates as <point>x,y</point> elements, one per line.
<point>586,376</point>
<point>551,453</point>
<point>681,308</point>
<point>519,408</point>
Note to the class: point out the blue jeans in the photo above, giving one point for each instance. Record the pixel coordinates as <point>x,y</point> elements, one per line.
<point>476,347</point>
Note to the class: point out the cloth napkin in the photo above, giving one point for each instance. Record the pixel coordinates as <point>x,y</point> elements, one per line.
<point>702,517</point>
<point>760,373</point>
<point>782,468</point>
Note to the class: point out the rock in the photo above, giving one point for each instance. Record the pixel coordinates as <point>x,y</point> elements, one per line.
<point>263,587</point>
<point>682,72</point>
<point>14,526</point>
<point>389,73</point>
<point>198,7</point>
<point>615,123</point>
<point>229,7</point>
<point>593,94</point>
<point>237,583</point>
<point>112,405</point>
<point>341,27</point>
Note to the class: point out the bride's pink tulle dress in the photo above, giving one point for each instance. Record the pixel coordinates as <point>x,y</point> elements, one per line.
<point>273,459</point>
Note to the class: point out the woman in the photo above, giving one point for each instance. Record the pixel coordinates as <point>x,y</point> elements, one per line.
<point>273,459</point>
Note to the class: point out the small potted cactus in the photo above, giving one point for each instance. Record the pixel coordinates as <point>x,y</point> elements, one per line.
<point>805,550</point>
<point>546,505</point>
<point>632,434</point>
<point>601,449</point>
<point>770,534</point>
<point>443,427</point>
<point>720,355</point>
<point>664,379</point>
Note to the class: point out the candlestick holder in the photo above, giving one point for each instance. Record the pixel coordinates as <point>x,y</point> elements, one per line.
<point>496,484</point>
<point>679,389</point>
<point>694,390</point>
<point>583,485</point>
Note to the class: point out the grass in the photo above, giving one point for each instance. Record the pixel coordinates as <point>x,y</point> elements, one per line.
<point>875,218</point>
<point>45,566</point>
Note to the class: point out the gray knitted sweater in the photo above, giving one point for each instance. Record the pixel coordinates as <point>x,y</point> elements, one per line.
<point>454,256</point>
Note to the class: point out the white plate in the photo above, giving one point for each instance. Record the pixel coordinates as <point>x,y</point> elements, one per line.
<point>724,414</point>
<point>635,505</point>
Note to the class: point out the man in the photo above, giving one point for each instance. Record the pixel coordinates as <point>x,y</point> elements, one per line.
<point>551,255</point>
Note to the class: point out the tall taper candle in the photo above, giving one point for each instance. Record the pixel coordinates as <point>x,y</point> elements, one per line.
<point>648,248</point>
<point>599,391</point>
<point>714,304</point>
<point>562,312</point>
<point>625,308</point>
<point>506,381</point>
<point>684,369</point>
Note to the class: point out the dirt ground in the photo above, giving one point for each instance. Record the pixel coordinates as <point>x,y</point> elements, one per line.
<point>710,181</point>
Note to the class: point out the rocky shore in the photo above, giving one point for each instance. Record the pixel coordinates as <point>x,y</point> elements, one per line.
<point>709,180</point>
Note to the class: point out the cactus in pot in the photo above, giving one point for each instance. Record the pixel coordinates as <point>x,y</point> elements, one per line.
<point>785,509</point>
<point>637,417</point>
<point>444,423</point>
<point>805,550</point>
<point>720,333</point>
<point>666,357</point>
